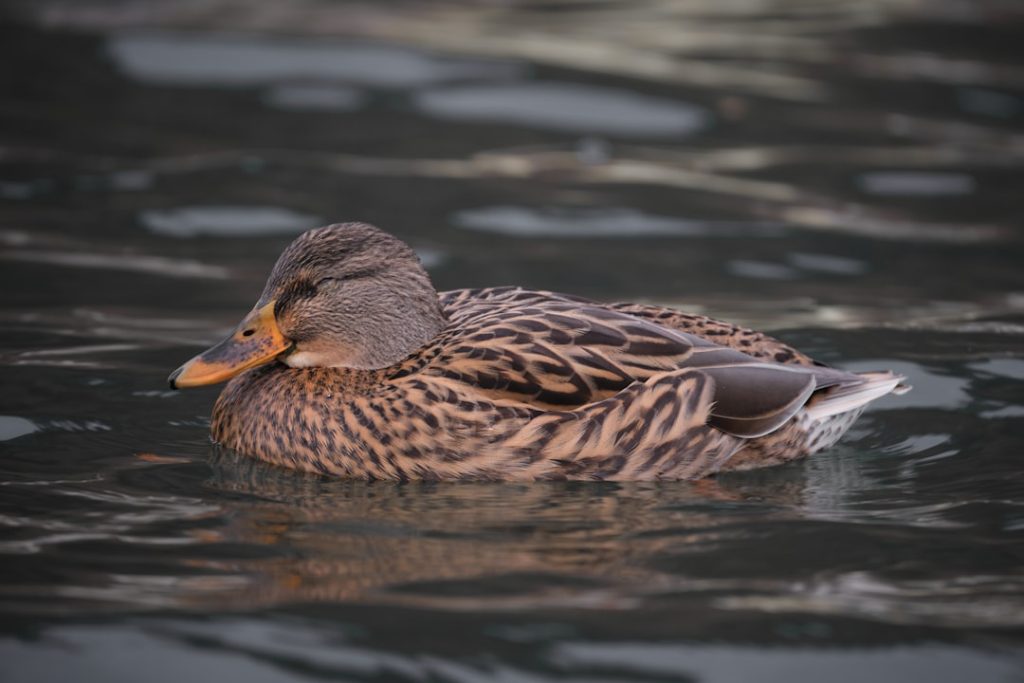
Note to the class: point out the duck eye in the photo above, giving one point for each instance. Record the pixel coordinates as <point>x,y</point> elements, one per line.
<point>311,290</point>
<point>307,290</point>
<point>299,290</point>
<point>248,333</point>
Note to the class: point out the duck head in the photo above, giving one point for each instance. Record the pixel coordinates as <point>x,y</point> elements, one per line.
<point>346,295</point>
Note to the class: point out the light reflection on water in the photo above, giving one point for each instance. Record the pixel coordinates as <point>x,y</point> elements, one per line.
<point>237,61</point>
<point>261,652</point>
<point>565,107</point>
<point>227,221</point>
<point>846,174</point>
<point>605,222</point>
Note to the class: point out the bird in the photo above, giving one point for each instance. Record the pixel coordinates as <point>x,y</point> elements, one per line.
<point>352,365</point>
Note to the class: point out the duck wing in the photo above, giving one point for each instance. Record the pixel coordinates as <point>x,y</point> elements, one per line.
<point>751,342</point>
<point>559,353</point>
<point>463,302</point>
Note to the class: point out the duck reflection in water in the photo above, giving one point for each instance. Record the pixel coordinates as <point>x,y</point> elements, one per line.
<point>463,544</point>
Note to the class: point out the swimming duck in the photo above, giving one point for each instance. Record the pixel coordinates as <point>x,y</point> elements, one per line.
<point>352,365</point>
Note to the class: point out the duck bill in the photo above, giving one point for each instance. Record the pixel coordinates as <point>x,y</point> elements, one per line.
<point>256,341</point>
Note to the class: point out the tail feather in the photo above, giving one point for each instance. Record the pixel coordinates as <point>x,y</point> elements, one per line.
<point>853,396</point>
<point>824,420</point>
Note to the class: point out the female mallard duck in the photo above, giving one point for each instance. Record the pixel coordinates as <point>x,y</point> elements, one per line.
<point>378,377</point>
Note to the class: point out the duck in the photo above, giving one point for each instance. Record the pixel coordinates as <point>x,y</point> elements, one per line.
<point>352,365</point>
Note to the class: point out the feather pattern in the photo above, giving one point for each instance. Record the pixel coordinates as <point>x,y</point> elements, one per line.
<point>524,384</point>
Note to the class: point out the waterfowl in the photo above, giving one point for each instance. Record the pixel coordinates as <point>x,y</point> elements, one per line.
<point>352,365</point>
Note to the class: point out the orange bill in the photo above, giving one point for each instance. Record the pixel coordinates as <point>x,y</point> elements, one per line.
<point>256,341</point>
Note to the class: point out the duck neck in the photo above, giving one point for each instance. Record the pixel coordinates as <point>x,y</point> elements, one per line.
<point>410,325</point>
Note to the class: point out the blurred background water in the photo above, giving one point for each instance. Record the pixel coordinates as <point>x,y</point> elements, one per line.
<point>844,174</point>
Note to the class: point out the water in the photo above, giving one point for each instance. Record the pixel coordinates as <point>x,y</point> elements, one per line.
<point>846,175</point>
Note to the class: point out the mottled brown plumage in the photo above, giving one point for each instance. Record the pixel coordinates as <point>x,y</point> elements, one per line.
<point>383,378</point>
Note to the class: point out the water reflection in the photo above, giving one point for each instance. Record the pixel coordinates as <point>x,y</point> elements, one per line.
<point>1012,368</point>
<point>150,265</point>
<point>761,270</point>
<point>241,61</point>
<point>296,648</point>
<point>226,221</point>
<point>904,184</point>
<point>828,263</point>
<point>722,664</point>
<point>604,222</point>
<point>457,547</point>
<point>566,107</point>
<point>11,427</point>
<point>260,537</point>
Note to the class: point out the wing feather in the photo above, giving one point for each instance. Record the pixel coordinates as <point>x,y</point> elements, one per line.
<point>555,352</point>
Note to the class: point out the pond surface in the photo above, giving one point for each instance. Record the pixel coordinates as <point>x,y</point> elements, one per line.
<point>846,175</point>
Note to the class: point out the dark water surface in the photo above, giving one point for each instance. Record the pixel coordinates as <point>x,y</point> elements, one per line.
<point>845,174</point>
